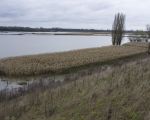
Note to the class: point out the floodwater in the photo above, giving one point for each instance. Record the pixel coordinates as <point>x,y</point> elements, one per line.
<point>17,44</point>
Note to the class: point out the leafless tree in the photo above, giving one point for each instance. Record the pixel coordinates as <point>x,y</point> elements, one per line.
<point>148,32</point>
<point>118,29</point>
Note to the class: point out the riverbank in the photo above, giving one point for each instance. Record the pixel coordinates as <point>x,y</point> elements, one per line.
<point>64,62</point>
<point>117,92</point>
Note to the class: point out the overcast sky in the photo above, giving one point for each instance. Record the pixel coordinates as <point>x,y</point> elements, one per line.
<point>98,14</point>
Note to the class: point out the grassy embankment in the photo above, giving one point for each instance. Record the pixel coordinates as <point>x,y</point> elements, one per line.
<point>118,93</point>
<point>66,61</point>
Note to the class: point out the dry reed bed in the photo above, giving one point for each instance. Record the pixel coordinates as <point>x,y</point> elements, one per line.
<point>120,94</point>
<point>59,62</point>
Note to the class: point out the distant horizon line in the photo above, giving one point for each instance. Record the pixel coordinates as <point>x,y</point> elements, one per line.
<point>60,28</point>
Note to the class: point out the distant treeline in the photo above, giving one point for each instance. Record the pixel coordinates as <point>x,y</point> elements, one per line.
<point>28,29</point>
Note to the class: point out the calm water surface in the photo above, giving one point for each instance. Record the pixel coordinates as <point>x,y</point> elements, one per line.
<point>28,44</point>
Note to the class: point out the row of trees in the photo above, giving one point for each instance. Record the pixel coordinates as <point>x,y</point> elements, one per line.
<point>29,29</point>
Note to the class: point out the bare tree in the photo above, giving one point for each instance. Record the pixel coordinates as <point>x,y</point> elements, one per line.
<point>118,29</point>
<point>148,30</point>
<point>148,33</point>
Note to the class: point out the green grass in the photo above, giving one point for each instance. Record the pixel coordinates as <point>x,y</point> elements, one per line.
<point>57,63</point>
<point>119,93</point>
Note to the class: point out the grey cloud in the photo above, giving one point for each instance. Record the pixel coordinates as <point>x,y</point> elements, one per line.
<point>73,13</point>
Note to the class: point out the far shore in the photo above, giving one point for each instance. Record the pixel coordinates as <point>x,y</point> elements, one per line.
<point>55,33</point>
<point>63,33</point>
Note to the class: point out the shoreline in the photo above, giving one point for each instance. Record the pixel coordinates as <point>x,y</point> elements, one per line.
<point>63,33</point>
<point>67,62</point>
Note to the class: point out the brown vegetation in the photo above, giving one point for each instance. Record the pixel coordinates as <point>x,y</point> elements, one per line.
<point>118,93</point>
<point>65,61</point>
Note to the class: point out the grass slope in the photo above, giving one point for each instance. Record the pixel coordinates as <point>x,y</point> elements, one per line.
<point>118,93</point>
